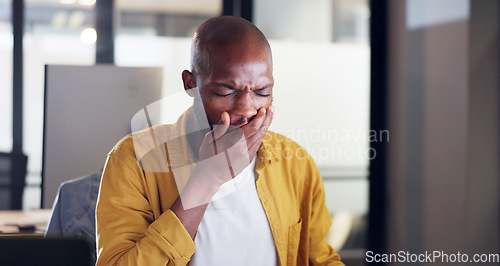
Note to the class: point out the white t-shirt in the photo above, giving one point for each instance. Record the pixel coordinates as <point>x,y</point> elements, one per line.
<point>234,229</point>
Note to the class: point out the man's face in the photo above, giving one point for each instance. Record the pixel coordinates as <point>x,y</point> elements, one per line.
<point>239,81</point>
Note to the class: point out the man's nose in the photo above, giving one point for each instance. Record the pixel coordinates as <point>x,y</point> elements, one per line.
<point>245,105</point>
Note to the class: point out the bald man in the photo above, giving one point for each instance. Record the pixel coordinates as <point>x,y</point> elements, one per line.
<point>221,190</point>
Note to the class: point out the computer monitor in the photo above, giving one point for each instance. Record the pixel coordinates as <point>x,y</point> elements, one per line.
<point>88,109</point>
<point>29,251</point>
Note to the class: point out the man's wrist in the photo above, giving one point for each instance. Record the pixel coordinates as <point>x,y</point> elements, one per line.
<point>198,190</point>
<point>203,182</point>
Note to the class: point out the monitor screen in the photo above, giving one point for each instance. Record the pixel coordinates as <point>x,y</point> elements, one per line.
<point>88,109</point>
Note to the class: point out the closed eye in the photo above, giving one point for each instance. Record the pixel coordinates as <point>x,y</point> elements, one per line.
<point>264,92</point>
<point>229,90</point>
<point>226,91</point>
<point>225,95</point>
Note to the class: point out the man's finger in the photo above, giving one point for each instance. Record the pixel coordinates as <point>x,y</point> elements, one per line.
<point>257,136</point>
<point>267,121</point>
<point>221,127</point>
<point>253,127</point>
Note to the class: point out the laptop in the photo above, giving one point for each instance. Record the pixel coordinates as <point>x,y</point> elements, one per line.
<point>17,250</point>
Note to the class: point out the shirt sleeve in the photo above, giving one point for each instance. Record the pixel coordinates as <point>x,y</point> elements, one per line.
<point>127,231</point>
<point>55,227</point>
<point>320,252</point>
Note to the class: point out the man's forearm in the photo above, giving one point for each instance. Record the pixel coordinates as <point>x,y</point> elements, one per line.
<point>191,204</point>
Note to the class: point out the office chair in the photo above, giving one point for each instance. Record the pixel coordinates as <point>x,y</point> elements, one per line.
<point>73,212</point>
<point>12,180</point>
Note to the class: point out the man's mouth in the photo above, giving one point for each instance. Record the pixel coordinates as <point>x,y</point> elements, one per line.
<point>241,122</point>
<point>238,125</point>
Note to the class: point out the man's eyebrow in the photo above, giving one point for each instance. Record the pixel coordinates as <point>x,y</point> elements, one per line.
<point>225,86</point>
<point>233,88</point>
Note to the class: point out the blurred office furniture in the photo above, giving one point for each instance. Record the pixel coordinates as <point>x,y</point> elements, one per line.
<point>347,236</point>
<point>12,180</point>
<point>348,231</point>
<point>22,223</point>
<point>88,109</point>
<point>73,213</point>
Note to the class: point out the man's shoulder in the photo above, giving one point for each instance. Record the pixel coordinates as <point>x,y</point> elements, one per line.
<point>141,141</point>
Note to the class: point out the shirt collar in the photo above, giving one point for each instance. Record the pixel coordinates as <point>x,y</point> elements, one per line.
<point>266,153</point>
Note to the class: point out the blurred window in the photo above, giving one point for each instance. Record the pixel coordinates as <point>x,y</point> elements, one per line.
<point>321,69</point>
<point>6,75</point>
<point>162,30</point>
<point>56,32</point>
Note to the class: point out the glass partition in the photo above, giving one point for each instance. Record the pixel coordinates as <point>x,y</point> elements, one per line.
<point>6,40</point>
<point>321,69</point>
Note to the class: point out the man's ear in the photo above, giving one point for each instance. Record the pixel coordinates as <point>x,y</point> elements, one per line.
<point>189,82</point>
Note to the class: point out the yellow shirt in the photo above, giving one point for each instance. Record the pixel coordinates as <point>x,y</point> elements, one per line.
<point>135,225</point>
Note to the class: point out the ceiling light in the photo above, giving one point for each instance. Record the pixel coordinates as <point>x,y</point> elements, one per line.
<point>76,19</point>
<point>59,19</point>
<point>87,2</point>
<point>88,36</point>
<point>67,2</point>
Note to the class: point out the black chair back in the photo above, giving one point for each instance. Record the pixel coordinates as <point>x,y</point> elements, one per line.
<point>12,180</point>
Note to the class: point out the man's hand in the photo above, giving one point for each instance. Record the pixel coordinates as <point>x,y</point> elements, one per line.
<point>224,153</point>
<point>238,145</point>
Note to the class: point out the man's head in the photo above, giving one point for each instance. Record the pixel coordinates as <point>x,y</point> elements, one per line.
<point>232,68</point>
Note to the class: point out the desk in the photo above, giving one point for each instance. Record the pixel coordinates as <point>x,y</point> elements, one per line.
<point>24,222</point>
